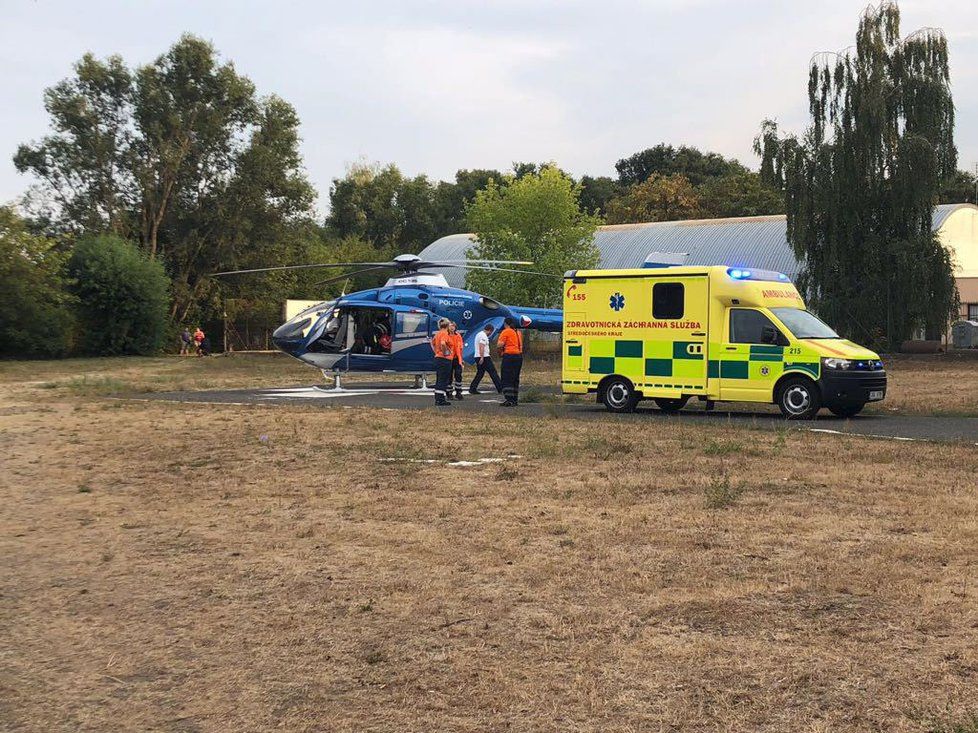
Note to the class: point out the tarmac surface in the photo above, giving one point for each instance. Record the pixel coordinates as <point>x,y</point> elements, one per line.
<point>394,397</point>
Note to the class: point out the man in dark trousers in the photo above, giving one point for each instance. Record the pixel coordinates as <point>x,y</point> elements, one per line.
<point>444,348</point>
<point>510,345</point>
<point>483,361</point>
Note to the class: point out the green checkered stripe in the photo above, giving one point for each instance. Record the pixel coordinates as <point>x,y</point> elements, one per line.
<point>670,364</point>
<point>764,362</point>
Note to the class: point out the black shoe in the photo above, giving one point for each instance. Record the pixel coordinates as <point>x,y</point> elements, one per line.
<point>507,403</point>
<point>458,395</point>
<point>474,391</point>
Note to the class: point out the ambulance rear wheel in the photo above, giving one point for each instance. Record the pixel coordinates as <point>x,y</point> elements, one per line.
<point>619,395</point>
<point>798,399</point>
<point>667,404</point>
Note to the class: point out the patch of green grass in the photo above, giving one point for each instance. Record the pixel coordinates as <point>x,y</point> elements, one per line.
<point>968,724</point>
<point>719,492</point>
<point>89,386</point>
<point>723,448</point>
<point>84,489</point>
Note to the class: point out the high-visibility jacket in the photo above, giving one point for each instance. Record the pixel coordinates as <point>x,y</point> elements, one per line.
<point>443,344</point>
<point>457,346</point>
<point>510,342</point>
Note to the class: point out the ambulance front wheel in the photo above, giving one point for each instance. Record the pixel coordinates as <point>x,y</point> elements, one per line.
<point>667,404</point>
<point>799,399</point>
<point>847,410</point>
<point>618,395</point>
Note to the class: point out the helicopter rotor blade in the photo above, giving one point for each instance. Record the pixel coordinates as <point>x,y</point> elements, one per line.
<point>302,267</point>
<point>506,269</point>
<point>435,263</point>
<point>348,275</point>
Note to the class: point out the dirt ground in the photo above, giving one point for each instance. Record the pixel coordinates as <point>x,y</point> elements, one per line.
<point>182,567</point>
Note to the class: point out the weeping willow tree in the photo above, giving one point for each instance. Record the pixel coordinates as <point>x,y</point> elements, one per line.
<point>861,184</point>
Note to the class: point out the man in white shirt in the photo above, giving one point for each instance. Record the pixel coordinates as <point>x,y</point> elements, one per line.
<point>483,361</point>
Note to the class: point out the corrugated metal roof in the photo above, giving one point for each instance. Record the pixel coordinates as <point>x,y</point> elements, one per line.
<point>752,241</point>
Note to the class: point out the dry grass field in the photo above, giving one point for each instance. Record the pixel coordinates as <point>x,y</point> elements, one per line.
<point>184,567</point>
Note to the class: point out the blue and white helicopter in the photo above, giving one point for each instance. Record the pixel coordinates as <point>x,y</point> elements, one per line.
<point>388,329</point>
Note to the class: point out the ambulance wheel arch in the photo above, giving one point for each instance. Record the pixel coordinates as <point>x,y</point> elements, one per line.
<point>618,394</point>
<point>797,396</point>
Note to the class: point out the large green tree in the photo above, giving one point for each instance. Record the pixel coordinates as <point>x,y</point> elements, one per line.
<point>861,184</point>
<point>666,160</point>
<point>180,154</point>
<point>36,317</point>
<point>537,218</point>
<point>657,198</point>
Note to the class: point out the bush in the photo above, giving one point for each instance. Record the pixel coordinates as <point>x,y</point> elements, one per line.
<point>35,308</point>
<point>122,297</point>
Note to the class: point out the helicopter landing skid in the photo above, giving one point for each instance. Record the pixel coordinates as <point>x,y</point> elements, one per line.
<point>420,382</point>
<point>335,377</point>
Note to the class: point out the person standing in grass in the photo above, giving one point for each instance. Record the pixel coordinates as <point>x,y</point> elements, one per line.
<point>441,345</point>
<point>510,345</point>
<point>198,338</point>
<point>185,341</point>
<point>483,361</point>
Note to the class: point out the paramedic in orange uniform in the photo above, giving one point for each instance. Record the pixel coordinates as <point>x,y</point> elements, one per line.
<point>510,345</point>
<point>443,347</point>
<point>457,346</point>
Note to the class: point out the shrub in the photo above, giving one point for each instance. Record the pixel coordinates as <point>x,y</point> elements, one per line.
<point>122,297</point>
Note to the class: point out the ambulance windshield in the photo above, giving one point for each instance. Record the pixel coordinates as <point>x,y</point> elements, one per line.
<point>803,324</point>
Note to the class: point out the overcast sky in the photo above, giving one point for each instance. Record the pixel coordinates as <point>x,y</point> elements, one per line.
<point>447,84</point>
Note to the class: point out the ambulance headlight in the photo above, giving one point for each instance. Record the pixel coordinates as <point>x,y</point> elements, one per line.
<point>831,362</point>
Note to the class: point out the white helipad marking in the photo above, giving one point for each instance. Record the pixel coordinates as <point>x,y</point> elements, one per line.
<point>319,393</point>
<point>863,435</point>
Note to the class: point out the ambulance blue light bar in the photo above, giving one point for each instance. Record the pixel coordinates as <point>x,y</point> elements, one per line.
<point>747,273</point>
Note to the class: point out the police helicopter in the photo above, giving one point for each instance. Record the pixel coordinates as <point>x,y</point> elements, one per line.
<point>388,329</point>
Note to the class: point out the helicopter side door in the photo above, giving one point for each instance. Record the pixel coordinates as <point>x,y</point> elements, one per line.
<point>412,339</point>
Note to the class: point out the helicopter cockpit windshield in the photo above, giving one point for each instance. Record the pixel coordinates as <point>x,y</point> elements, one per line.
<point>359,330</point>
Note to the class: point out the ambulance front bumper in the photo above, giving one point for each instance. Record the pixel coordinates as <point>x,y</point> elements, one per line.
<point>844,387</point>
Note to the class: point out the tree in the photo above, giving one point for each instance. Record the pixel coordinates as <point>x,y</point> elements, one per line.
<point>36,319</point>
<point>958,188</point>
<point>597,192</point>
<point>122,297</point>
<point>860,186</point>
<point>182,154</point>
<point>85,166</point>
<point>741,194</point>
<point>452,198</point>
<point>536,218</point>
<point>658,198</point>
<point>665,160</point>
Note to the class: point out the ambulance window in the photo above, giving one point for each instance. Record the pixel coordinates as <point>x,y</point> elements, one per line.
<point>747,326</point>
<point>667,301</point>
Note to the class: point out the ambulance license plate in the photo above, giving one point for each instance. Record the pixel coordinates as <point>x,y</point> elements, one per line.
<point>876,394</point>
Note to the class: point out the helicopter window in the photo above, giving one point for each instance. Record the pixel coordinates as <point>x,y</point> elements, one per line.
<point>489,303</point>
<point>412,324</point>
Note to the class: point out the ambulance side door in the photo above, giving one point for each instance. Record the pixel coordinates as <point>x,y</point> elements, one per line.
<point>751,356</point>
<point>675,350</point>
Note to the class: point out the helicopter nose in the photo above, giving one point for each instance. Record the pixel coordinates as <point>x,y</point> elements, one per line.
<point>288,337</point>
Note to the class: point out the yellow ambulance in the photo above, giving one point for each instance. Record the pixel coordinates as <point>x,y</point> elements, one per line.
<point>717,334</point>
